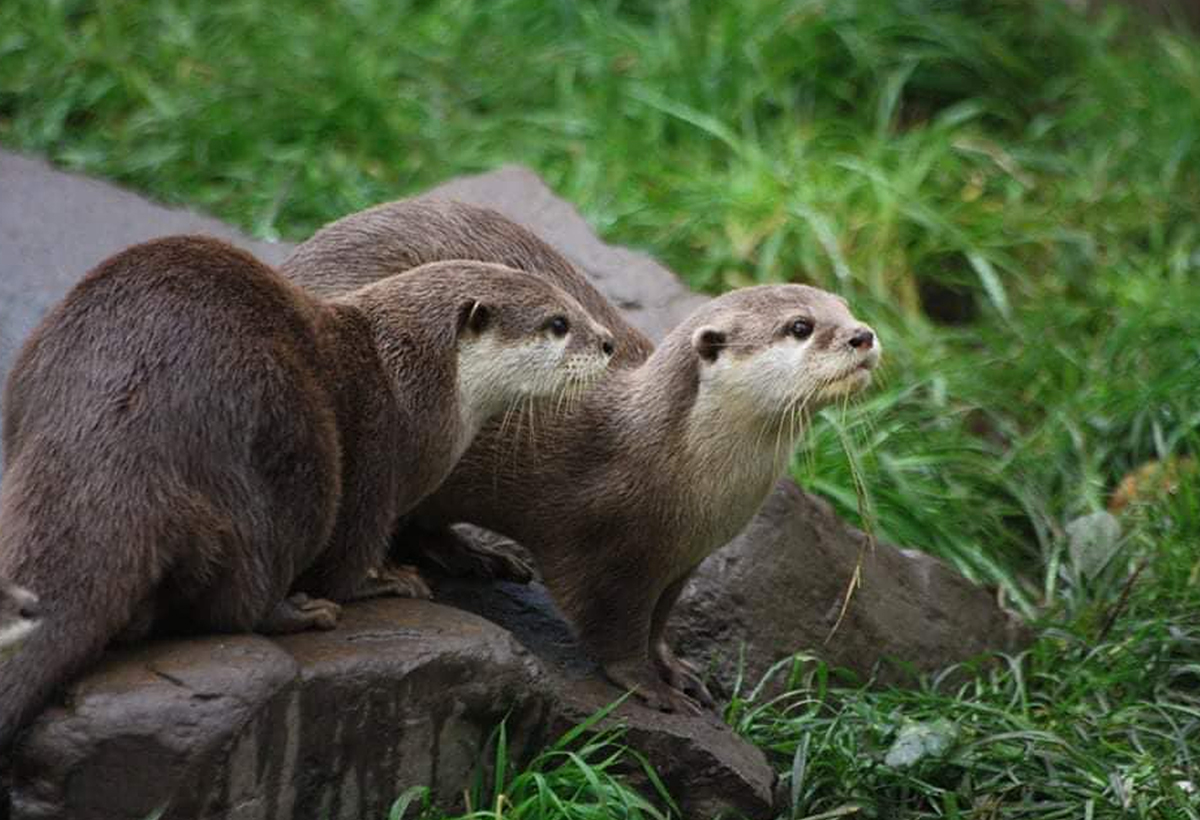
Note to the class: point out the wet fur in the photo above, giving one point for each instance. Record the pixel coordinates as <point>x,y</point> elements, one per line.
<point>189,436</point>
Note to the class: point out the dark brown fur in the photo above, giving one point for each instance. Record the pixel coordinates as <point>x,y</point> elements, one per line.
<point>188,433</point>
<point>615,503</point>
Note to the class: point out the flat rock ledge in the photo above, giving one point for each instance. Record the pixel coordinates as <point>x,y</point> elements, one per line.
<point>337,724</point>
<point>406,693</point>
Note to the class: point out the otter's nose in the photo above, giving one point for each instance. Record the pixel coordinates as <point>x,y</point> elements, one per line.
<point>862,338</point>
<point>607,347</point>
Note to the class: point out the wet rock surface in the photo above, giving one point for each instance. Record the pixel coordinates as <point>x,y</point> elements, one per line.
<point>337,724</point>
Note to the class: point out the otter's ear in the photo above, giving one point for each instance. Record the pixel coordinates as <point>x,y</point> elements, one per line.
<point>474,316</point>
<point>708,342</point>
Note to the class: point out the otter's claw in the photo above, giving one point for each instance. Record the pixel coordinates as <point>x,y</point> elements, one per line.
<point>682,676</point>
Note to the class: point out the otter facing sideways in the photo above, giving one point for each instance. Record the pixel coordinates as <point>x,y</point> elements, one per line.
<point>660,465</point>
<point>620,497</point>
<point>189,438</point>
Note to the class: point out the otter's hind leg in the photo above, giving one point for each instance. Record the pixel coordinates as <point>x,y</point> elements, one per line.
<point>402,581</point>
<point>614,625</point>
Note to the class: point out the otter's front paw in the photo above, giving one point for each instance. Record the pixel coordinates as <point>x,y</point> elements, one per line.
<point>297,613</point>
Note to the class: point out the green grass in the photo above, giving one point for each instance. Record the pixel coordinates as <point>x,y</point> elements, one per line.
<point>577,777</point>
<point>1008,191</point>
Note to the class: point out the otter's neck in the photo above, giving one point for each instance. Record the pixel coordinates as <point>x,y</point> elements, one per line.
<point>481,395</point>
<point>724,457</point>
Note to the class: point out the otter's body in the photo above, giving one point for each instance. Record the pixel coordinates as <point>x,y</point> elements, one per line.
<point>665,460</point>
<point>189,437</point>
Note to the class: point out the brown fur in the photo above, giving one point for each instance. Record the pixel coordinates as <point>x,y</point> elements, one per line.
<point>398,236</point>
<point>615,501</point>
<point>188,437</point>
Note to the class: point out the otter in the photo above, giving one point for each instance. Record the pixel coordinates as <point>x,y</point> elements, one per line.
<point>397,236</point>
<point>19,616</point>
<point>663,461</point>
<point>659,465</point>
<point>195,443</point>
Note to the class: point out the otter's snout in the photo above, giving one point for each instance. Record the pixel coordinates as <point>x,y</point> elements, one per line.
<point>863,338</point>
<point>607,347</point>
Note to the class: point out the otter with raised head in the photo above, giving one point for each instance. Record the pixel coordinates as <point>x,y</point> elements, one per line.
<point>19,616</point>
<point>660,465</point>
<point>664,461</point>
<point>190,438</point>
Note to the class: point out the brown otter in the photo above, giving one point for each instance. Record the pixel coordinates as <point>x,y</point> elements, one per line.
<point>189,437</point>
<point>19,615</point>
<point>397,236</point>
<point>661,463</point>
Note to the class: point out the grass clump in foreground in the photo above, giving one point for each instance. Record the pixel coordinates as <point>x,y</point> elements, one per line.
<point>1008,191</point>
<point>574,778</point>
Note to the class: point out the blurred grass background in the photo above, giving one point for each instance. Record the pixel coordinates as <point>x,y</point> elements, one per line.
<point>1009,191</point>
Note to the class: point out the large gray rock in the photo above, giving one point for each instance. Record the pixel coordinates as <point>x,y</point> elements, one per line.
<point>318,725</point>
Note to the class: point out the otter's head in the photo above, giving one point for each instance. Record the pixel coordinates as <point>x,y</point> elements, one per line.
<point>772,351</point>
<point>19,615</point>
<point>522,338</point>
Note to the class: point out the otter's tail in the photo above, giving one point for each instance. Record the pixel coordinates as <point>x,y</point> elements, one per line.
<point>88,576</point>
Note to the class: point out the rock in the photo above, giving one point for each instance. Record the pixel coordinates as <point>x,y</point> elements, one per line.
<point>909,608</point>
<point>708,769</point>
<point>339,723</point>
<point>334,724</point>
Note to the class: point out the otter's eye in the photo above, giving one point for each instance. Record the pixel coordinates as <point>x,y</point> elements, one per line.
<point>559,326</point>
<point>801,328</point>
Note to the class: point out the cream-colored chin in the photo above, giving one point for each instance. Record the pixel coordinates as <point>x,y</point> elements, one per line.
<point>854,381</point>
